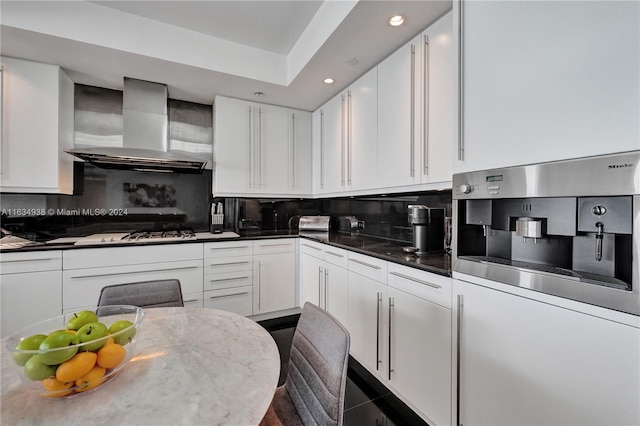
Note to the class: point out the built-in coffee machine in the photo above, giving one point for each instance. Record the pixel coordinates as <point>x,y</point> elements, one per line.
<point>428,228</point>
<point>568,228</point>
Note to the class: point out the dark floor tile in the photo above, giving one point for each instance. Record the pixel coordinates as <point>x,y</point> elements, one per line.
<point>367,414</point>
<point>283,338</point>
<point>354,395</point>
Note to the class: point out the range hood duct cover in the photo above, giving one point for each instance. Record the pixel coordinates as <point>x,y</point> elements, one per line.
<point>145,135</point>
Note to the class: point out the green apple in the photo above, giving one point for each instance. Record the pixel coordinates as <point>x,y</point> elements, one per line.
<point>95,332</point>
<point>119,336</point>
<point>31,343</point>
<point>58,339</point>
<point>81,318</point>
<point>35,369</point>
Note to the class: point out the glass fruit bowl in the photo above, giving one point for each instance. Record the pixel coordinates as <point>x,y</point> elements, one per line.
<point>76,353</point>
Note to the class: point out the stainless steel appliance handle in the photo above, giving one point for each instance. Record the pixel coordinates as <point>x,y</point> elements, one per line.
<point>425,100</point>
<point>389,364</point>
<point>321,149</point>
<point>412,139</point>
<point>364,263</point>
<point>228,279</point>
<point>293,148</point>
<point>229,295</point>
<point>342,126</point>
<point>461,81</point>
<point>132,272</point>
<point>406,277</point>
<point>460,305</point>
<point>379,305</point>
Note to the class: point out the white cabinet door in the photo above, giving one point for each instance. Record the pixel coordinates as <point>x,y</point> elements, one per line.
<point>399,117</point>
<point>37,124</point>
<point>528,362</point>
<point>300,170</point>
<point>420,354</point>
<point>274,282</point>
<point>311,280</point>
<point>27,298</point>
<point>331,162</point>
<point>367,319</point>
<point>232,146</point>
<point>362,132</point>
<point>546,81</point>
<point>272,149</point>
<point>337,292</point>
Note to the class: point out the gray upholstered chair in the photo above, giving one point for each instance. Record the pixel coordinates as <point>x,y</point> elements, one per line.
<point>146,294</point>
<point>313,393</point>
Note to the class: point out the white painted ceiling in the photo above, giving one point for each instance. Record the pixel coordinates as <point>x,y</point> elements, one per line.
<point>204,48</point>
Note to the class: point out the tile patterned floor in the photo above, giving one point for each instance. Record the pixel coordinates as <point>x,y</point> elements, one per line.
<point>367,401</point>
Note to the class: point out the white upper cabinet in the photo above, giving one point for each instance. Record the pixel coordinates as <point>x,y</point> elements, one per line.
<point>345,135</point>
<point>415,109</point>
<point>37,125</point>
<point>253,141</point>
<point>544,81</point>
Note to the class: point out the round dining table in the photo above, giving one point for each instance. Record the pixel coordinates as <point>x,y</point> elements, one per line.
<point>191,366</point>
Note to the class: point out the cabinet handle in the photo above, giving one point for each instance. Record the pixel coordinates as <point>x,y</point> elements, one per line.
<point>334,254</point>
<point>190,300</point>
<point>365,263</point>
<point>379,305</point>
<point>349,138</point>
<point>412,167</point>
<point>342,126</point>
<point>259,285</point>
<point>461,81</point>
<point>228,295</point>
<point>425,136</point>
<point>293,148</point>
<point>458,352</point>
<point>251,153</point>
<point>228,279</point>
<point>315,248</point>
<point>261,157</point>
<point>228,248</point>
<point>44,259</point>
<point>326,291</point>
<point>276,245</point>
<point>229,263</point>
<point>321,149</point>
<point>132,272</point>
<point>406,277</point>
<point>391,306</point>
<point>320,285</point>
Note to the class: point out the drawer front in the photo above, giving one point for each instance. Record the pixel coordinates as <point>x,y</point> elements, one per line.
<point>16,263</point>
<point>228,264</point>
<point>370,267</point>
<point>312,248</point>
<point>276,245</point>
<point>120,256</point>
<point>228,249</point>
<point>432,287</point>
<point>192,300</point>
<point>228,280</point>
<point>238,300</point>
<point>81,287</point>
<point>336,256</point>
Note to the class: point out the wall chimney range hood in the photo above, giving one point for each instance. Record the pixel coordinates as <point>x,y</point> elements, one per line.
<point>145,135</point>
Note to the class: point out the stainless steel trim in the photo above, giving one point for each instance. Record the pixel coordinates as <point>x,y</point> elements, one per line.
<point>321,149</point>
<point>228,295</point>
<point>342,126</point>
<point>229,263</point>
<point>349,137</point>
<point>364,263</point>
<point>293,145</point>
<point>412,138</point>
<point>461,80</point>
<point>334,254</point>
<point>425,106</point>
<point>379,305</point>
<point>407,277</point>
<point>133,272</point>
<point>460,305</point>
<point>229,279</point>
<point>389,363</point>
<point>26,260</point>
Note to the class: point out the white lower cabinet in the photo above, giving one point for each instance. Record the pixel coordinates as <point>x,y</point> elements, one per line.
<point>87,271</point>
<point>274,272</point>
<point>527,362</point>
<point>228,276</point>
<point>30,288</point>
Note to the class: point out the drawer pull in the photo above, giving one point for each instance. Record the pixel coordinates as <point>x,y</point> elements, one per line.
<point>334,254</point>
<point>229,263</point>
<point>133,272</point>
<point>228,248</point>
<point>365,263</point>
<point>190,300</point>
<point>27,260</point>
<point>406,277</point>
<point>277,245</point>
<point>315,248</point>
<point>228,295</point>
<point>228,279</point>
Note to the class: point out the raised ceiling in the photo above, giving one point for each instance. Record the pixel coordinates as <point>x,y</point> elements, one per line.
<point>204,48</point>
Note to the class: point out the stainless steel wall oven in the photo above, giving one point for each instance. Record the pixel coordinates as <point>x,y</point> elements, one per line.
<point>568,228</point>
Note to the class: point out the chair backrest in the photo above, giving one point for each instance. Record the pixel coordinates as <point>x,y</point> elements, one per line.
<point>146,294</point>
<point>317,375</point>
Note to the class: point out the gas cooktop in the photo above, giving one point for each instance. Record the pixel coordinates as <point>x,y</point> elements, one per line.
<point>137,237</point>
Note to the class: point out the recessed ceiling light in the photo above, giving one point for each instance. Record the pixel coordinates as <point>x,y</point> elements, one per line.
<point>328,81</point>
<point>396,20</point>
<point>258,94</point>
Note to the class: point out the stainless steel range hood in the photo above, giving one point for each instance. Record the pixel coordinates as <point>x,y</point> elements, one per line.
<point>145,135</point>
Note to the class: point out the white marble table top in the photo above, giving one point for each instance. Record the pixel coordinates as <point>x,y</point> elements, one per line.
<point>192,366</point>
